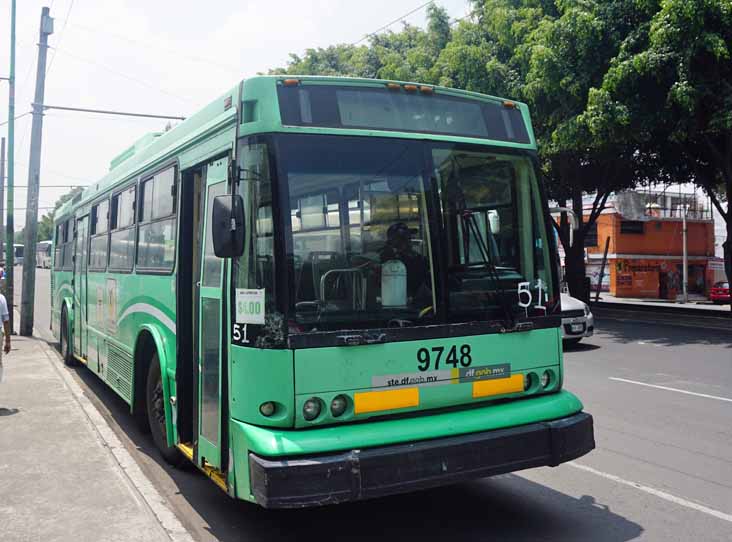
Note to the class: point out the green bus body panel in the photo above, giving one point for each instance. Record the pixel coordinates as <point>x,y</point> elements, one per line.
<point>269,442</point>
<point>163,344</point>
<point>263,91</point>
<point>320,370</point>
<point>117,315</point>
<point>276,442</point>
<point>326,372</point>
<point>256,376</point>
<point>62,297</point>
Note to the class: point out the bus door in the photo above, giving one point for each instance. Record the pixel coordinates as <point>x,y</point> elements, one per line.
<point>80,264</point>
<point>210,326</point>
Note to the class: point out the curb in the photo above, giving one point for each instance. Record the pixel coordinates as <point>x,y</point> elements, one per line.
<point>145,490</point>
<point>694,318</point>
<point>672,308</point>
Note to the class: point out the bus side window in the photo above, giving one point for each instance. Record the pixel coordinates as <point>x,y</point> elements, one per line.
<point>58,244</point>
<point>99,227</point>
<point>157,231</point>
<point>257,267</point>
<point>122,226</point>
<point>63,247</point>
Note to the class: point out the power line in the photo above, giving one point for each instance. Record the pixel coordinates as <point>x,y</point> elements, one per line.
<point>415,10</point>
<point>109,112</point>
<point>64,175</point>
<point>17,117</point>
<point>147,43</point>
<point>65,186</point>
<point>123,75</point>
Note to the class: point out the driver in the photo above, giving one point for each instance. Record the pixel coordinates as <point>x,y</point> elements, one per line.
<point>399,247</point>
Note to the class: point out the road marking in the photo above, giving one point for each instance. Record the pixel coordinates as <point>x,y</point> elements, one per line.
<point>656,493</point>
<point>727,399</point>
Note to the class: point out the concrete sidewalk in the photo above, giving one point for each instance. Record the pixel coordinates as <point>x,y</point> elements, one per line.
<point>64,475</point>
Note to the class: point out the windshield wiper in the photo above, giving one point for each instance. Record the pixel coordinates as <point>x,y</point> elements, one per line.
<point>470,225</point>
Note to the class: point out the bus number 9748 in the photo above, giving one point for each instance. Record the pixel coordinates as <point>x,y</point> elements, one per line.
<point>430,359</point>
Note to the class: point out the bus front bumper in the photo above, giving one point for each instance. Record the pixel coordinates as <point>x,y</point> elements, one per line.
<point>375,472</point>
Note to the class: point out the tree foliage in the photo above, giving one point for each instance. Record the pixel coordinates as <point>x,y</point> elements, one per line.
<point>671,89</point>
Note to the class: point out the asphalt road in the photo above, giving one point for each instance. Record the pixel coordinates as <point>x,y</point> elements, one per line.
<point>661,396</point>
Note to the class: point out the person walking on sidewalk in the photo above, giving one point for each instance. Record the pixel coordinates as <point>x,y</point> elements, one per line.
<point>5,316</point>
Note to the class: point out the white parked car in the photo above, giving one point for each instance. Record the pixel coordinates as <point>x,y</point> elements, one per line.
<point>577,320</point>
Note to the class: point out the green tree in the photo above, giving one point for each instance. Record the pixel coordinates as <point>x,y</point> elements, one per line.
<point>567,55</point>
<point>406,55</point>
<point>551,54</point>
<point>672,89</point>
<point>344,60</point>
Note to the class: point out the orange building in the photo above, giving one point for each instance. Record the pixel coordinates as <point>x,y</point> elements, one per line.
<point>645,253</point>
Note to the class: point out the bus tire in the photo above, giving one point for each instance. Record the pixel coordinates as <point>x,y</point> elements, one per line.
<point>155,403</point>
<point>65,345</point>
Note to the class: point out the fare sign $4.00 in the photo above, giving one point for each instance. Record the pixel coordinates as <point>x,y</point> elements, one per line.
<point>249,306</point>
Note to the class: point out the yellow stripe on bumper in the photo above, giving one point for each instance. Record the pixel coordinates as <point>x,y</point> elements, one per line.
<point>499,386</point>
<point>375,401</point>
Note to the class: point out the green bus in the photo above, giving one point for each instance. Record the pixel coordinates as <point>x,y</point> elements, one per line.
<point>324,289</point>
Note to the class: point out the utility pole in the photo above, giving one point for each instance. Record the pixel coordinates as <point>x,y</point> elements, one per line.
<point>685,263</point>
<point>9,254</point>
<point>34,173</point>
<point>2,189</point>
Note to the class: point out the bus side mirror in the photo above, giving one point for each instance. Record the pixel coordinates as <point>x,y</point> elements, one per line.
<point>573,221</point>
<point>227,225</point>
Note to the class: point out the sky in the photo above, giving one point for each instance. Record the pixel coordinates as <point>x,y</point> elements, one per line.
<point>168,57</point>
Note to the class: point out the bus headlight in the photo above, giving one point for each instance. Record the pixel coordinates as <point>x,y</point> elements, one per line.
<point>528,381</point>
<point>546,378</point>
<point>311,409</point>
<point>338,405</point>
<point>267,409</point>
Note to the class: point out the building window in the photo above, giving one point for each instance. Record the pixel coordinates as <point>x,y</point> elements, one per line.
<point>99,227</point>
<point>632,227</point>
<point>157,231</point>
<point>122,225</point>
<point>591,236</point>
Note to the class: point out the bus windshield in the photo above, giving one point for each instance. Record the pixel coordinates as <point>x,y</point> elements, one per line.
<point>393,232</point>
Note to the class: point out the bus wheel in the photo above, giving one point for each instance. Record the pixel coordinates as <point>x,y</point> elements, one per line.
<point>155,402</point>
<point>66,354</point>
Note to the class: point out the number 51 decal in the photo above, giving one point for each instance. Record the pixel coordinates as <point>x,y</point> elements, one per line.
<point>239,334</point>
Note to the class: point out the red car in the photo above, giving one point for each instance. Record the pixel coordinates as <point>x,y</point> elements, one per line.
<point>720,293</point>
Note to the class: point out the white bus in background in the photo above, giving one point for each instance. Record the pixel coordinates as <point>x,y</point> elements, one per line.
<point>43,254</point>
<point>18,254</point>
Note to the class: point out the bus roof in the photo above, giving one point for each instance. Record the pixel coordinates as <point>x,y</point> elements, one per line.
<point>215,125</point>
